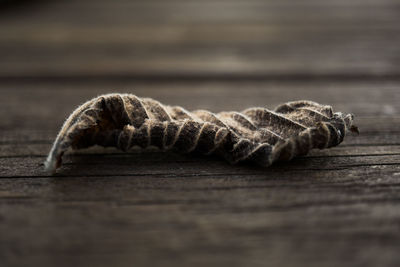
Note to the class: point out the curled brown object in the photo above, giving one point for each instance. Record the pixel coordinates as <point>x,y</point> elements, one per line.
<point>255,134</point>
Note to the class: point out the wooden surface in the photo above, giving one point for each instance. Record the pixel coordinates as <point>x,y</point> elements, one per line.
<point>339,207</point>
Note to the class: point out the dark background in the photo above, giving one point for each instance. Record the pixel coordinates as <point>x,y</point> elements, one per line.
<point>332,208</point>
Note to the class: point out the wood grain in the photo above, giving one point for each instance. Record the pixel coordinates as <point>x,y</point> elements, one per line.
<point>107,207</point>
<point>338,207</point>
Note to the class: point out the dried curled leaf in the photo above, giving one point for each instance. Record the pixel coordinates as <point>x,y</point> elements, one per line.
<point>255,134</point>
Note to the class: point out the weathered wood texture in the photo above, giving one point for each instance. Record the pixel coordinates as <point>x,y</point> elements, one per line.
<point>180,37</point>
<point>338,207</point>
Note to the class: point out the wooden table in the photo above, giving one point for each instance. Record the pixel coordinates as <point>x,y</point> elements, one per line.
<point>339,207</point>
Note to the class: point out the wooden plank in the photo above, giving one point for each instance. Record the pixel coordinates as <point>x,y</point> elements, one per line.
<point>142,164</point>
<point>175,11</point>
<point>188,37</point>
<point>200,220</point>
<point>288,53</point>
<point>46,104</point>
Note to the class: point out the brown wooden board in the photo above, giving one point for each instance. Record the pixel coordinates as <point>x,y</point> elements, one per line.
<point>220,38</point>
<point>106,207</point>
<point>336,207</point>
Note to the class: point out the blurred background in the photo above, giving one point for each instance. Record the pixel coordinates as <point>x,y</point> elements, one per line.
<point>187,38</point>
